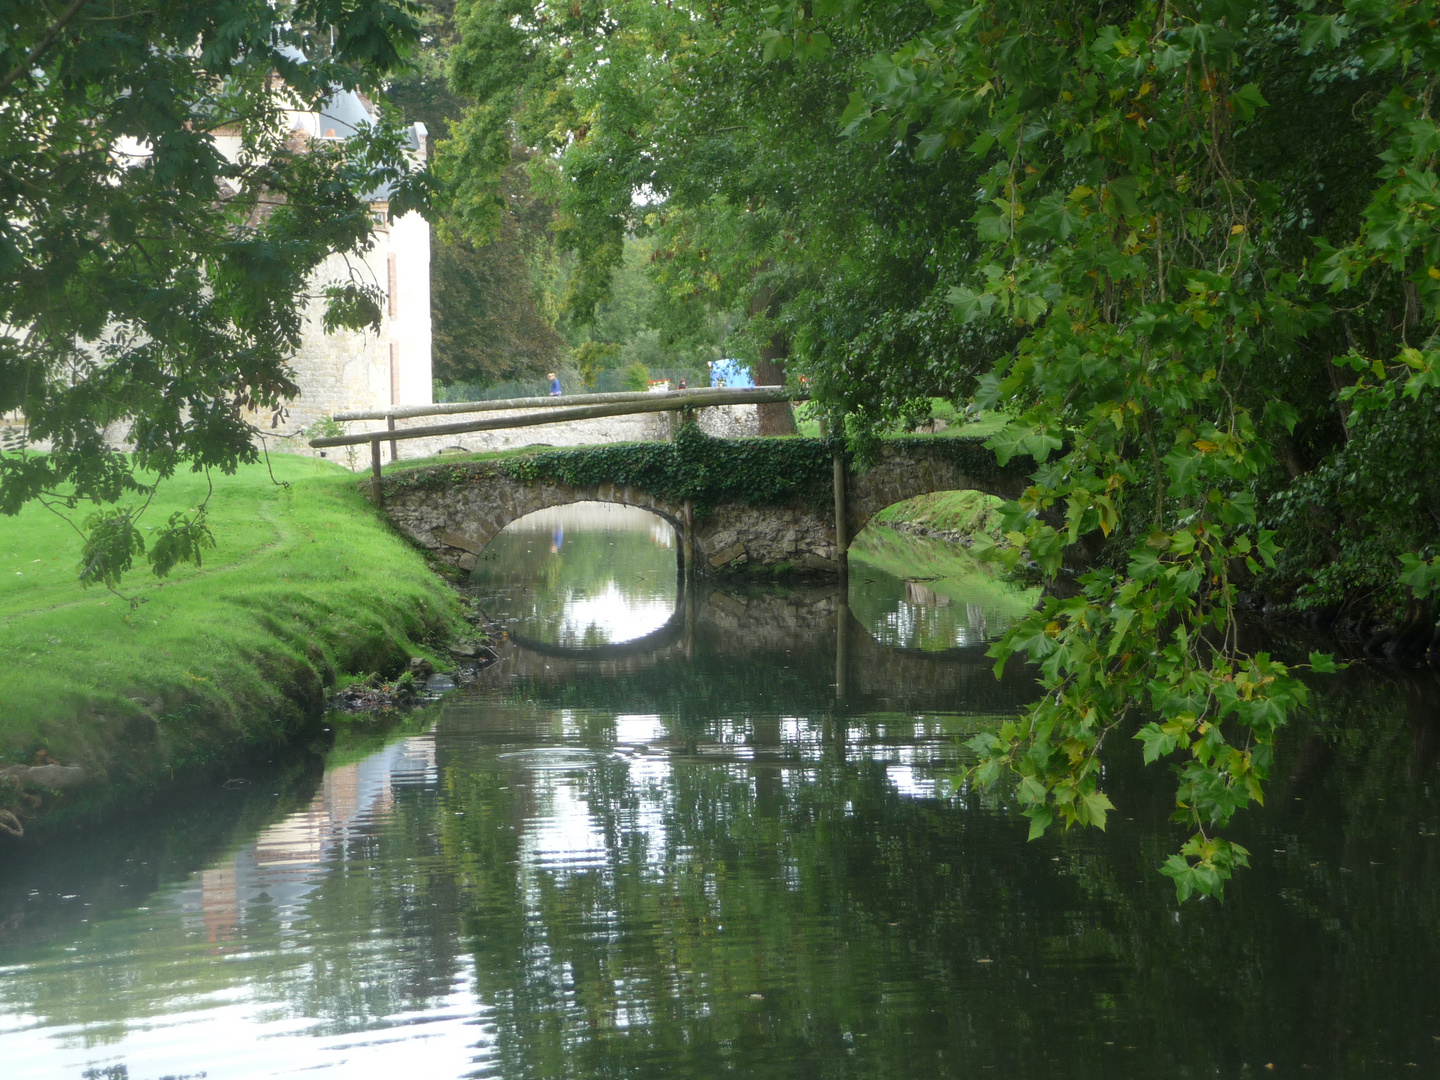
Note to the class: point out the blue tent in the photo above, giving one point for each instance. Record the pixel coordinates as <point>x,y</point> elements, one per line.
<point>730,373</point>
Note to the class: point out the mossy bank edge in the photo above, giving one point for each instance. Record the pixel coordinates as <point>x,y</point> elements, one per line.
<point>307,586</point>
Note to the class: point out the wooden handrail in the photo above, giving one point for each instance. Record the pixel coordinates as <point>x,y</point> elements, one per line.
<point>641,403</point>
<point>406,412</point>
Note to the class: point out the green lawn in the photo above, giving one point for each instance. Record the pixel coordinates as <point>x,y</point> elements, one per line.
<point>957,423</point>
<point>969,513</point>
<point>306,584</point>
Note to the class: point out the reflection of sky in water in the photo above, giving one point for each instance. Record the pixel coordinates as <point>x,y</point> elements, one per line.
<point>565,834</point>
<point>562,835</point>
<point>580,575</point>
<point>611,617</point>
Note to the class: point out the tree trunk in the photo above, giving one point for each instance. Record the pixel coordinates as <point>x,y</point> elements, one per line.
<point>776,418</point>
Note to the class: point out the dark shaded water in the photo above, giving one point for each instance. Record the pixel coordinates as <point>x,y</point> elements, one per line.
<point>733,847</point>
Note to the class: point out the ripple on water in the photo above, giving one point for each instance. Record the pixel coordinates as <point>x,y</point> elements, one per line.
<point>554,758</point>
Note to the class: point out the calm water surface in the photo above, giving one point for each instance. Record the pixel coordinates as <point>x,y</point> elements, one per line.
<point>728,843</point>
<point>584,575</point>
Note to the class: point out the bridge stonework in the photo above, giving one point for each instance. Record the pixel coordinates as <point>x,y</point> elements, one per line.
<point>454,511</point>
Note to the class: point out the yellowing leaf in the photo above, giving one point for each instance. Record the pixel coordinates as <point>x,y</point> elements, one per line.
<point>1096,806</point>
<point>1236,230</point>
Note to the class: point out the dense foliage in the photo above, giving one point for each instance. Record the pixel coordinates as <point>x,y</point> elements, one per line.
<point>1162,237</point>
<point>666,124</point>
<point>149,281</point>
<point>491,322</point>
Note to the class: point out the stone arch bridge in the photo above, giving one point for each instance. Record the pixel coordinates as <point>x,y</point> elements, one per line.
<point>454,510</point>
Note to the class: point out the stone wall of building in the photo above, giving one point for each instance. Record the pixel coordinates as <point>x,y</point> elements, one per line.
<point>351,371</point>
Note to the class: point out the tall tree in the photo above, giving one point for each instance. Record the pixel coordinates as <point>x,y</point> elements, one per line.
<point>149,280</point>
<point>1127,227</point>
<point>1163,216</point>
<point>666,122</point>
<point>489,323</point>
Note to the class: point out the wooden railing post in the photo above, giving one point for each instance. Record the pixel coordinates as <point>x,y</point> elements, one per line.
<point>687,542</point>
<point>390,425</point>
<point>842,541</point>
<point>375,472</point>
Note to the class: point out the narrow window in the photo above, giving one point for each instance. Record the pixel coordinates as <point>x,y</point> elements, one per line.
<point>394,285</point>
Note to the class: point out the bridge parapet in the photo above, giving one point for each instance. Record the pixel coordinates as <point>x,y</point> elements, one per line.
<point>764,502</point>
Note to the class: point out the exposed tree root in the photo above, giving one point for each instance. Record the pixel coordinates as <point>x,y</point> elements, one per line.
<point>11,824</point>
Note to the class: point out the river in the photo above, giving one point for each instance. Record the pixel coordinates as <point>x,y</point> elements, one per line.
<point>721,834</point>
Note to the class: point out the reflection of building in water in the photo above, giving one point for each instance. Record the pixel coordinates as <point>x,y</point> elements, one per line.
<point>926,619</point>
<point>275,874</point>
<point>219,894</point>
<point>925,596</point>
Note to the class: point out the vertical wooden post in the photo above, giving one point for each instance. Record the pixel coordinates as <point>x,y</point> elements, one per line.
<point>687,597</point>
<point>842,541</point>
<point>390,426</point>
<point>375,472</point>
<point>687,542</point>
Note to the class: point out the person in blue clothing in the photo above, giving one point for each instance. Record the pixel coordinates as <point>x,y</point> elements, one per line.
<point>554,385</point>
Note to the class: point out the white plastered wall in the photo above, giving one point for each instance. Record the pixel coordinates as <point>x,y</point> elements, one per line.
<point>410,328</point>
<point>351,371</point>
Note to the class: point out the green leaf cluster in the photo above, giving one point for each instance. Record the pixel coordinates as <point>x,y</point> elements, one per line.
<point>162,231</point>
<point>1161,219</point>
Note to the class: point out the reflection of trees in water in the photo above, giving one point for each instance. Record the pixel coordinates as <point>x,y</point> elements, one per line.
<point>763,650</point>
<point>726,875</point>
<point>770,919</point>
<point>917,593</point>
<point>766,917</point>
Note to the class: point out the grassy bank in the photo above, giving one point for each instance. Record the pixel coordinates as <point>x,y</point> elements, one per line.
<point>951,513</point>
<point>307,583</point>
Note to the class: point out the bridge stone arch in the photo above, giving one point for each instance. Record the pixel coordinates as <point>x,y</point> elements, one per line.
<point>455,510</point>
<point>458,520</point>
<point>914,467</point>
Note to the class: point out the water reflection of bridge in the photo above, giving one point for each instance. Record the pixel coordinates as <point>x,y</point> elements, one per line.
<point>736,640</point>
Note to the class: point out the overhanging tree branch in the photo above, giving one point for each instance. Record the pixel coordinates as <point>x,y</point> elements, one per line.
<point>66,17</point>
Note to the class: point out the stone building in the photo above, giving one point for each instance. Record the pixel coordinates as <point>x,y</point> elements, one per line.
<point>345,371</point>
<point>352,371</point>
